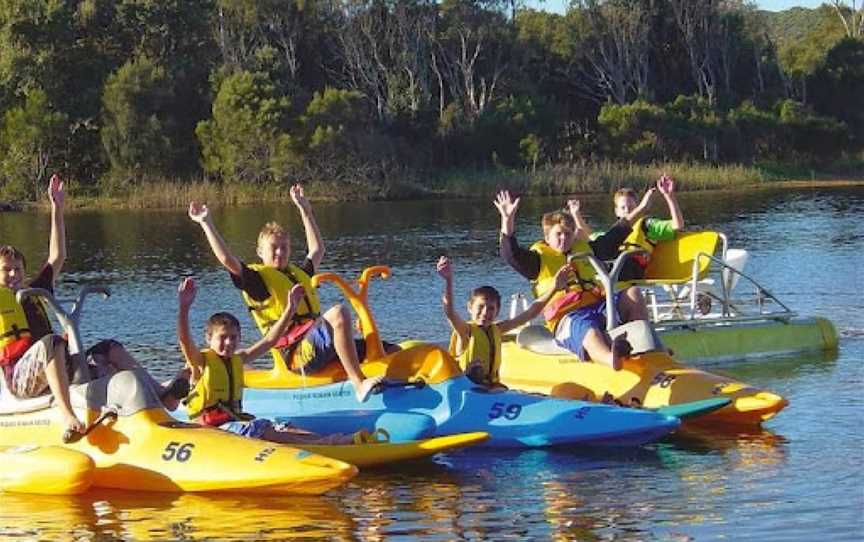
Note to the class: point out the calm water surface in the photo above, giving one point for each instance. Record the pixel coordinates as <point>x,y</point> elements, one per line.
<point>800,478</point>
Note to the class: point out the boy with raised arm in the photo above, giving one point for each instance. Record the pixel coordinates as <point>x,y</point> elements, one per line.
<point>217,374</point>
<point>477,344</point>
<point>313,339</point>
<point>33,358</point>
<point>575,315</point>
<point>647,231</point>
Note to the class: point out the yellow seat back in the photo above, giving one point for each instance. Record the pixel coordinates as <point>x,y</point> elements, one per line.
<point>672,261</point>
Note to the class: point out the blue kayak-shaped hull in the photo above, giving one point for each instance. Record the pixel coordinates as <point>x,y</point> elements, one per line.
<point>457,405</point>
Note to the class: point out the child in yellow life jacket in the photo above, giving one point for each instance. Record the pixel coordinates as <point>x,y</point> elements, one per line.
<point>315,337</point>
<point>477,344</point>
<point>577,316</point>
<point>216,398</point>
<point>646,231</point>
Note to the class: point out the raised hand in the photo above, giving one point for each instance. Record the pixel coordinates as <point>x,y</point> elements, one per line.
<point>574,206</point>
<point>506,205</point>
<point>56,192</point>
<point>298,197</point>
<point>186,292</point>
<point>666,185</point>
<point>198,212</point>
<point>445,269</point>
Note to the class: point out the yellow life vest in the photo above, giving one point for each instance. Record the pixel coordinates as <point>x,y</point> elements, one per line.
<point>279,283</point>
<point>638,239</point>
<point>219,385</point>
<point>582,289</point>
<point>15,337</point>
<point>484,346</point>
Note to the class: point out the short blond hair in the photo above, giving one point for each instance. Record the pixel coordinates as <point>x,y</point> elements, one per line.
<point>624,193</point>
<point>557,218</point>
<point>271,229</point>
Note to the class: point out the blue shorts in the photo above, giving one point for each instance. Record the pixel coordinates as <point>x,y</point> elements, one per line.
<point>571,330</point>
<point>316,350</point>
<point>252,429</point>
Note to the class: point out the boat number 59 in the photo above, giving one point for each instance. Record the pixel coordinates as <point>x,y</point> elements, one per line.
<point>511,412</point>
<point>180,452</point>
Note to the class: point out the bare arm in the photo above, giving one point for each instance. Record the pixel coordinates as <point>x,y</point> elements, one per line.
<point>57,242</point>
<point>537,306</point>
<point>199,213</point>
<point>667,187</point>
<point>460,327</point>
<point>314,241</point>
<point>279,328</point>
<point>186,296</point>
<point>583,230</point>
<point>642,207</point>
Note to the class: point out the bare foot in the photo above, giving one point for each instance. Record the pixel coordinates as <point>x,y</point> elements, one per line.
<point>367,387</point>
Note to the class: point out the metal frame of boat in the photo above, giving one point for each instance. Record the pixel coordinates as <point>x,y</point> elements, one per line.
<point>689,291</point>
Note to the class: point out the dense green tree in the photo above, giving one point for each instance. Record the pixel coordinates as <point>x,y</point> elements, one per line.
<point>246,134</point>
<point>32,141</point>
<point>138,132</point>
<point>838,86</point>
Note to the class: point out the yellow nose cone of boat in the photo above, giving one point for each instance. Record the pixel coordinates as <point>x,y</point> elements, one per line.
<point>48,470</point>
<point>756,408</point>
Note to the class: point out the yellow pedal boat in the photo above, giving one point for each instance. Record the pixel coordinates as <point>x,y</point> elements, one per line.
<point>141,447</point>
<point>653,379</point>
<point>46,470</point>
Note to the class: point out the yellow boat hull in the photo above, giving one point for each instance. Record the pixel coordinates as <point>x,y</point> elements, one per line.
<point>373,455</point>
<point>46,470</point>
<point>650,380</point>
<point>150,451</point>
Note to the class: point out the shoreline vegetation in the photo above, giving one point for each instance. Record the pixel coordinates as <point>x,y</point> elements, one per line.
<point>151,104</point>
<point>583,178</point>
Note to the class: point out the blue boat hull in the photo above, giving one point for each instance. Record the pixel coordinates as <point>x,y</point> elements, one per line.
<point>457,405</point>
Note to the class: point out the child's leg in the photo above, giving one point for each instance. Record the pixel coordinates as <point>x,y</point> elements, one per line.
<point>598,349</point>
<point>120,359</point>
<point>43,365</point>
<point>631,305</point>
<point>346,350</point>
<point>58,383</point>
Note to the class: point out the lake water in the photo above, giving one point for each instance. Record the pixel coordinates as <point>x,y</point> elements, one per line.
<point>799,478</point>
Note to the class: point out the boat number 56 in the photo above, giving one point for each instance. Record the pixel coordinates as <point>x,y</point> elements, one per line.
<point>511,412</point>
<point>180,452</point>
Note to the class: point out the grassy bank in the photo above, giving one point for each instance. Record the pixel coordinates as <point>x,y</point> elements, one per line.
<point>606,177</point>
<point>585,177</point>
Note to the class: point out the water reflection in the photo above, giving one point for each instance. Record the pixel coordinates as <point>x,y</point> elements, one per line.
<point>112,515</point>
<point>800,479</point>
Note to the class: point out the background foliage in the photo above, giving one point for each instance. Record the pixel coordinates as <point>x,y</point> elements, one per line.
<point>375,94</point>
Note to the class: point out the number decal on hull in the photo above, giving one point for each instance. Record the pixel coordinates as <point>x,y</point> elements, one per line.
<point>510,412</point>
<point>180,452</point>
<point>663,380</point>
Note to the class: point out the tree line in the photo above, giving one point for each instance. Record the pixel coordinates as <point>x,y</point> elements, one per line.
<point>121,92</point>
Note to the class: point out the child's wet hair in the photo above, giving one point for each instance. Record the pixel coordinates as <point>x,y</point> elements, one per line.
<point>8,252</point>
<point>222,319</point>
<point>487,292</point>
<point>271,229</point>
<point>555,218</point>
